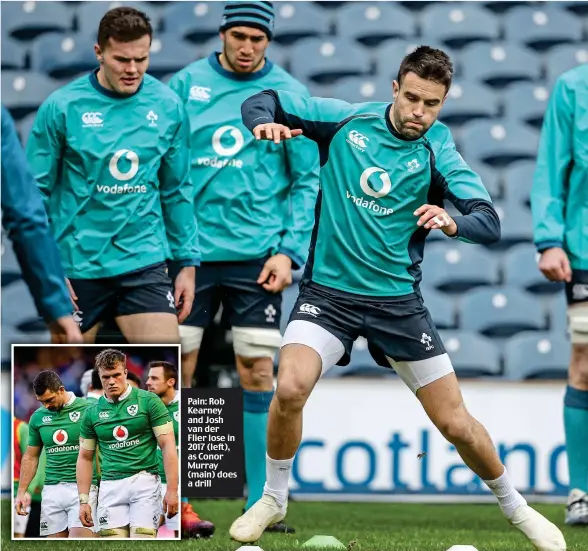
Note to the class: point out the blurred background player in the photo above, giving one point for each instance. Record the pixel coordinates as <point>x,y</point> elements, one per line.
<point>163,381</point>
<point>25,221</point>
<point>357,285</point>
<point>127,424</point>
<point>55,426</point>
<point>91,385</point>
<point>133,379</point>
<point>120,203</point>
<point>558,200</point>
<point>255,204</point>
<point>21,438</point>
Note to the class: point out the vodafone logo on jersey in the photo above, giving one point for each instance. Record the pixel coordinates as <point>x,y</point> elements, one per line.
<point>120,433</point>
<point>60,437</point>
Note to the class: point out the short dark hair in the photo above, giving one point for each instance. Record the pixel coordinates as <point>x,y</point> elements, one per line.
<point>428,63</point>
<point>134,377</point>
<point>46,380</point>
<point>107,359</point>
<point>96,380</point>
<point>123,24</point>
<point>170,371</point>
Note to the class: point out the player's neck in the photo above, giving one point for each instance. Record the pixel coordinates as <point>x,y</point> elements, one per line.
<point>102,80</point>
<point>168,397</point>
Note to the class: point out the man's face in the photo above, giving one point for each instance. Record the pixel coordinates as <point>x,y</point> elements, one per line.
<point>53,400</point>
<point>114,381</point>
<point>244,48</point>
<point>124,63</point>
<point>417,102</point>
<point>156,382</point>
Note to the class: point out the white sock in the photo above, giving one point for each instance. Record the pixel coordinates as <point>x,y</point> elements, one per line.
<point>277,472</point>
<point>509,499</point>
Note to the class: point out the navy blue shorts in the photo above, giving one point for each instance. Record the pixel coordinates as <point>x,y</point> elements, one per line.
<point>577,289</point>
<point>234,285</point>
<point>147,290</point>
<point>398,327</point>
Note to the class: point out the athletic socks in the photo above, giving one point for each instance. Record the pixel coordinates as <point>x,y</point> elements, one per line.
<point>509,499</point>
<point>278,475</point>
<point>576,428</point>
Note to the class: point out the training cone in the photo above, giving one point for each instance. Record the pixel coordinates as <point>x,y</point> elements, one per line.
<point>250,548</point>
<point>323,542</point>
<point>462,548</point>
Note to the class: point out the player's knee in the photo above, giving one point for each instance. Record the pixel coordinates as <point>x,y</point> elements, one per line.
<point>579,365</point>
<point>114,533</point>
<point>292,392</point>
<point>258,374</point>
<point>143,533</point>
<point>191,338</point>
<point>255,342</point>
<point>458,428</point>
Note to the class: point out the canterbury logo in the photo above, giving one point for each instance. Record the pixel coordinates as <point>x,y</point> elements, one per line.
<point>92,119</point>
<point>357,140</point>
<point>310,310</point>
<point>200,93</point>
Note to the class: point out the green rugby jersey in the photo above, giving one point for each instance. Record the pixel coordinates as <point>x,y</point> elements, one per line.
<point>124,432</point>
<point>114,172</point>
<point>173,409</point>
<point>252,198</point>
<point>59,433</point>
<point>366,240</point>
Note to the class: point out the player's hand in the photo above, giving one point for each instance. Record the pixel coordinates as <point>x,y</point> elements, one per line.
<point>185,287</point>
<point>65,330</point>
<point>555,265</point>
<point>275,132</point>
<point>276,274</point>
<point>171,503</point>
<point>86,515</point>
<point>433,217</point>
<point>21,503</point>
<point>72,294</point>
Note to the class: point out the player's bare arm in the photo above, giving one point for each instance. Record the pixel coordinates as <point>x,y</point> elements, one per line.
<point>169,451</point>
<point>185,284</point>
<point>276,132</point>
<point>555,265</point>
<point>433,217</point>
<point>276,274</point>
<point>28,469</point>
<point>84,471</point>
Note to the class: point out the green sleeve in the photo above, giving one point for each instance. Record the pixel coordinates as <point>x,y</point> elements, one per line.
<point>553,162</point>
<point>177,196</point>
<point>44,147</point>
<point>87,428</point>
<point>34,437</point>
<point>158,414</point>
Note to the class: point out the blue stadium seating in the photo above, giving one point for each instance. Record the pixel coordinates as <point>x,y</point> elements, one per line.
<point>490,178</point>
<point>170,54</point>
<point>563,58</point>
<point>472,355</point>
<point>63,55</point>
<point>89,14</point>
<point>297,20</point>
<point>498,142</point>
<point>467,101</point>
<point>440,306</point>
<point>542,27</point>
<point>10,268</point>
<point>361,364</point>
<point>456,267</point>
<point>373,22</point>
<point>327,60</point>
<point>518,182</point>
<point>516,224</point>
<point>23,92</point>
<point>14,54</point>
<point>581,8</point>
<point>499,64</point>
<point>500,312</point>
<point>459,24</point>
<point>26,20</point>
<point>194,21</point>
<point>18,308</point>
<point>541,355</point>
<point>521,270</point>
<point>526,102</point>
<point>558,314</point>
<point>363,89</point>
<point>24,127</point>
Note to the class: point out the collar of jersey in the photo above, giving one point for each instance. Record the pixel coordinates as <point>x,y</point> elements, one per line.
<point>92,394</point>
<point>111,93</point>
<point>395,132</point>
<point>215,64</point>
<point>176,397</point>
<point>72,398</point>
<point>123,396</point>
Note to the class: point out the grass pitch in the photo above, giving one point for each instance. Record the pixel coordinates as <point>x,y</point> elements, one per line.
<point>360,526</point>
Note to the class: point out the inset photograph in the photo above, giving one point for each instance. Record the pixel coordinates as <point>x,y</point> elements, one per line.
<point>96,441</point>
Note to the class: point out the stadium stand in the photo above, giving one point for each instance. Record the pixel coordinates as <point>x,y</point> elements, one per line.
<point>507,56</point>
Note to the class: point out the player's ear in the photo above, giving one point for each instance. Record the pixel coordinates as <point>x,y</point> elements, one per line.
<point>395,89</point>
<point>99,54</point>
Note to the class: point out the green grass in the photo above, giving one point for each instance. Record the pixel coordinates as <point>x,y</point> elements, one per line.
<point>361,526</point>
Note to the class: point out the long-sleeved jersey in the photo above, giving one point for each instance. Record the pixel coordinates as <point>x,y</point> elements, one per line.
<point>559,198</point>
<point>115,174</point>
<point>252,198</point>
<point>366,239</point>
<point>25,221</point>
